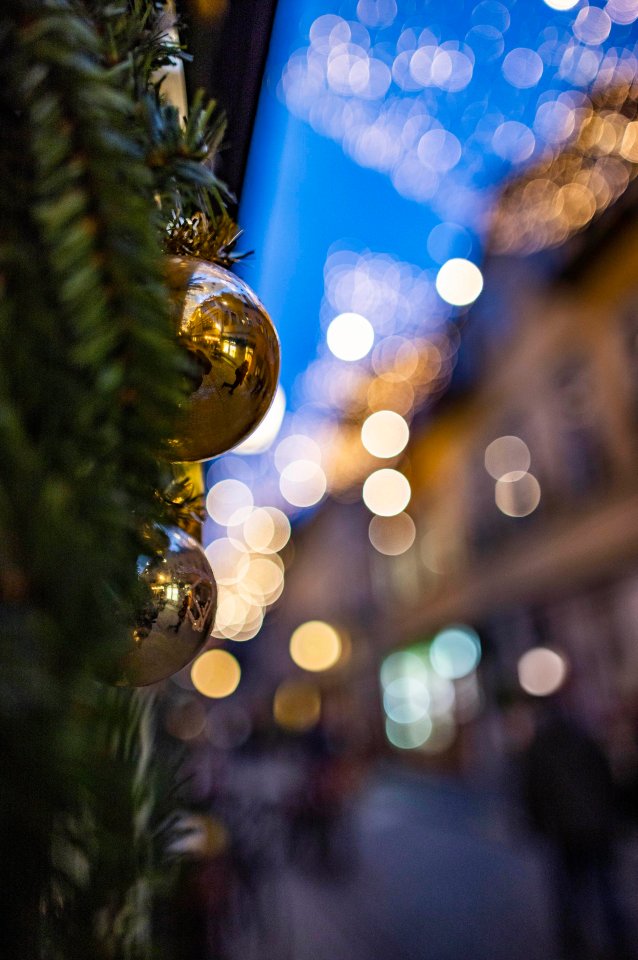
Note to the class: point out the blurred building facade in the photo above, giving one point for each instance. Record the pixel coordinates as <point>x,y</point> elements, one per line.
<point>542,548</point>
<point>524,494</point>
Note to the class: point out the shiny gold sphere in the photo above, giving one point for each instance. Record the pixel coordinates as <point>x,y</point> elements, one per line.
<point>236,355</point>
<point>176,615</point>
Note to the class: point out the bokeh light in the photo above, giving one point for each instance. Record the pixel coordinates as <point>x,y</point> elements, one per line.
<point>186,720</point>
<point>455,652</point>
<point>507,455</point>
<point>517,494</point>
<point>350,336</point>
<point>386,492</point>
<point>522,68</point>
<point>228,559</point>
<point>408,736</point>
<point>562,4</point>
<point>216,674</point>
<point>382,394</point>
<point>377,13</point>
<point>297,446</point>
<point>442,696</point>
<point>239,614</point>
<point>513,141</point>
<point>315,645</point>
<point>385,434</point>
<point>229,502</point>
<point>589,159</point>
<point>267,530</point>
<point>419,704</point>
<point>592,25</point>
<point>400,664</point>
<point>406,699</point>
<point>622,11</point>
<point>297,705</point>
<point>448,240</point>
<point>247,632</point>
<point>392,536</point>
<point>444,101</point>
<point>459,282</point>
<point>263,579</point>
<point>302,483</point>
<point>443,104</point>
<point>542,671</point>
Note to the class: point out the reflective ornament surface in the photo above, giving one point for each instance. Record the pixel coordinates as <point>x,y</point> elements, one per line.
<point>176,613</point>
<point>235,350</point>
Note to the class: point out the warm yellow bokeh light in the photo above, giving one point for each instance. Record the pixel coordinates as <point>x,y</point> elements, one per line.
<point>258,531</point>
<point>398,396</point>
<point>505,455</point>
<point>395,359</point>
<point>385,434</point>
<point>541,671</point>
<point>231,608</point>
<point>315,646</point>
<point>386,492</point>
<point>216,674</point>
<point>241,629</point>
<point>517,494</point>
<point>297,705</point>
<point>392,536</point>
<point>229,502</point>
<point>248,632</point>
<point>237,615</point>
<point>629,145</point>
<point>267,530</point>
<point>228,559</point>
<point>302,483</point>
<point>459,282</point>
<point>350,336</point>
<point>262,579</point>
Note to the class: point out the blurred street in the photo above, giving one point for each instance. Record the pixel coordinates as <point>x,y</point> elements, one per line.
<point>434,877</point>
<point>420,868</point>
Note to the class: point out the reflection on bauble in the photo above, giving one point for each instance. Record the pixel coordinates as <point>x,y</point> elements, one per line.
<point>177,610</point>
<point>235,358</point>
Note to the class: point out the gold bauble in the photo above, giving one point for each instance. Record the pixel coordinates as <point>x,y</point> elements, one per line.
<point>234,345</point>
<point>176,616</point>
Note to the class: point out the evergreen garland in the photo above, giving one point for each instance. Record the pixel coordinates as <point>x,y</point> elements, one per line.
<point>93,166</point>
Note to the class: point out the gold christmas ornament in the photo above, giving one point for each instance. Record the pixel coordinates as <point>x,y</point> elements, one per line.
<point>176,614</point>
<point>235,350</point>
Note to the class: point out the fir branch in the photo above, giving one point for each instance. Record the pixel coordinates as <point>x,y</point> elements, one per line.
<point>90,380</point>
<point>181,157</point>
<point>180,152</point>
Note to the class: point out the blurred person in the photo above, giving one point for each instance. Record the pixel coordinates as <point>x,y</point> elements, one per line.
<point>319,829</point>
<point>570,800</point>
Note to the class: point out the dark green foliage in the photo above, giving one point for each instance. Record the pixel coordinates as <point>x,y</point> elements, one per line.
<point>92,165</point>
